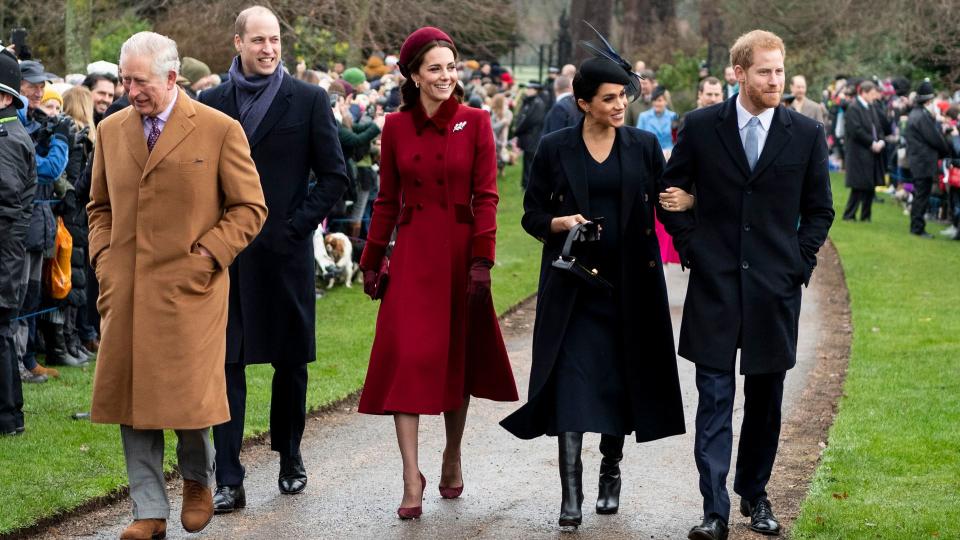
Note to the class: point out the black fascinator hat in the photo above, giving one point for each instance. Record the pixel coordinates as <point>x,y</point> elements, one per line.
<point>601,49</point>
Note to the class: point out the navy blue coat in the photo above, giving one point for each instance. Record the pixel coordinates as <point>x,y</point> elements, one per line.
<point>748,256</point>
<point>272,301</point>
<point>564,113</point>
<point>558,187</point>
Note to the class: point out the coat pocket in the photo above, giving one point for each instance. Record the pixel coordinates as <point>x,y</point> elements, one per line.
<point>193,165</point>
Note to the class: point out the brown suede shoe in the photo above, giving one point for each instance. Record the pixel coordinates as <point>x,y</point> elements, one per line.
<point>49,372</point>
<point>145,529</point>
<point>197,506</point>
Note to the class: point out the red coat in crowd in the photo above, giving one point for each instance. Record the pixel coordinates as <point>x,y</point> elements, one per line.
<point>438,188</point>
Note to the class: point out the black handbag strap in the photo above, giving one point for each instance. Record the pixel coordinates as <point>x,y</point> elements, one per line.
<point>571,236</point>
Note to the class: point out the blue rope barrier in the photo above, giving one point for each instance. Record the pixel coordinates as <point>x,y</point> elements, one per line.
<point>35,314</point>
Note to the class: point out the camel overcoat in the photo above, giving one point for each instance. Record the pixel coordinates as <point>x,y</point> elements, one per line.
<point>163,306</point>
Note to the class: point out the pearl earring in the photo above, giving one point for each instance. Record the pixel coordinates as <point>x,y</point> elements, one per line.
<point>415,83</point>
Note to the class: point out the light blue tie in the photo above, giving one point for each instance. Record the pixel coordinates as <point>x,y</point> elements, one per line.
<point>750,144</point>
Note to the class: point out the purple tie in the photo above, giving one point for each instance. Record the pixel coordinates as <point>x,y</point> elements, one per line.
<point>154,133</point>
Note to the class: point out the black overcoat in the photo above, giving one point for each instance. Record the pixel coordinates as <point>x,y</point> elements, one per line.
<point>862,128</point>
<point>753,238</point>
<point>925,143</point>
<point>272,308</point>
<point>558,187</point>
<point>564,113</point>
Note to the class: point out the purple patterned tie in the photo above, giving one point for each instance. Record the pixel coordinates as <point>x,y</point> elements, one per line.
<point>154,132</point>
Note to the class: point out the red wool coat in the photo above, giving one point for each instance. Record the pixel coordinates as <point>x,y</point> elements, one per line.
<point>438,188</point>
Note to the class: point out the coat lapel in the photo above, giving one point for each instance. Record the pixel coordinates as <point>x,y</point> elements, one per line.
<point>132,126</point>
<point>632,175</point>
<point>729,134</point>
<point>279,106</point>
<point>228,101</point>
<point>575,167</point>
<point>777,139</point>
<point>178,126</point>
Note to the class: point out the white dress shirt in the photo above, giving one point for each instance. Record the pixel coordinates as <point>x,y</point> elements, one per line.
<point>744,116</point>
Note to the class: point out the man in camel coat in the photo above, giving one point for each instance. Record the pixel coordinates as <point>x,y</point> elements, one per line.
<point>174,198</point>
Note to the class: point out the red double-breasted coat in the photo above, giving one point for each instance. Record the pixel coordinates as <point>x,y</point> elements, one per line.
<point>438,189</point>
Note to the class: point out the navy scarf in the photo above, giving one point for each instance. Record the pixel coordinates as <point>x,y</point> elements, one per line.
<point>254,95</point>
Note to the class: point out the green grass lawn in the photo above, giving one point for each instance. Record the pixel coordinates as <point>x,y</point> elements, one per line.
<point>60,463</point>
<point>892,465</point>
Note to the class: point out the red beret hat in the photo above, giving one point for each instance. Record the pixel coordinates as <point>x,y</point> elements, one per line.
<point>415,42</point>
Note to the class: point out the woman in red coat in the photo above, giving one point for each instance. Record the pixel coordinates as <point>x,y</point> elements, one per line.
<point>437,341</point>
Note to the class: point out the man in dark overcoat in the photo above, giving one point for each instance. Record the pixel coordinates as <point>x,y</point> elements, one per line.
<point>528,127</point>
<point>763,210</point>
<point>292,131</point>
<point>925,145</point>
<point>564,112</point>
<point>864,145</point>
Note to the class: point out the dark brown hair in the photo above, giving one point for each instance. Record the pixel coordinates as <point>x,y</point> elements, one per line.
<point>409,91</point>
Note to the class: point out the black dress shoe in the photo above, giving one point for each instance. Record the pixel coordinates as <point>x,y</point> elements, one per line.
<point>761,516</point>
<point>712,528</point>
<point>293,477</point>
<point>226,499</point>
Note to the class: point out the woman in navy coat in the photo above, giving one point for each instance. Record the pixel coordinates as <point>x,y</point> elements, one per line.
<point>437,340</point>
<point>603,361</point>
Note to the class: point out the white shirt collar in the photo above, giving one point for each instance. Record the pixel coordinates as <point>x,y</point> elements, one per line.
<point>563,95</point>
<point>744,116</point>
<point>165,115</point>
<point>863,102</point>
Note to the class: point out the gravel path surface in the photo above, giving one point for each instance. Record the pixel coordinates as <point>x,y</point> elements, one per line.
<point>512,488</point>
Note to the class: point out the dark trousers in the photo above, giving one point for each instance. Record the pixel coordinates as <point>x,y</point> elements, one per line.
<point>91,330</point>
<point>862,198</point>
<point>528,156</point>
<point>11,391</point>
<point>288,415</point>
<point>759,436</point>
<point>921,200</point>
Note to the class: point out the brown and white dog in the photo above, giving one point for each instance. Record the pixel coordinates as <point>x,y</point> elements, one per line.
<point>334,257</point>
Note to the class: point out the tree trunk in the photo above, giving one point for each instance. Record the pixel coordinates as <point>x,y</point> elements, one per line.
<point>77,35</point>
<point>599,13</point>
<point>358,28</point>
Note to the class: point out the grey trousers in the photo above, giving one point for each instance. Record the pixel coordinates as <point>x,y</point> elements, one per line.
<point>143,451</point>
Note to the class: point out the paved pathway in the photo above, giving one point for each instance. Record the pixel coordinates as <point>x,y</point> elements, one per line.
<point>512,488</point>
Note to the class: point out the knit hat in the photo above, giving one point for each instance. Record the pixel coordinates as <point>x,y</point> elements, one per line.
<point>354,76</point>
<point>472,64</point>
<point>336,87</point>
<point>418,40</point>
<point>10,77</point>
<point>925,91</point>
<point>193,69</point>
<point>49,93</point>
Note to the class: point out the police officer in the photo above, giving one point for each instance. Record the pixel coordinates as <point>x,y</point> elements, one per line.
<point>18,183</point>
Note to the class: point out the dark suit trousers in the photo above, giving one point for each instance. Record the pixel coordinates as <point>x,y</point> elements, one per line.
<point>759,436</point>
<point>288,414</point>
<point>11,391</point>
<point>862,198</point>
<point>921,201</point>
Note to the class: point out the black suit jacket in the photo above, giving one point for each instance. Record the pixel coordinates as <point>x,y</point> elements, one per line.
<point>564,113</point>
<point>272,302</point>
<point>862,127</point>
<point>753,238</point>
<point>925,143</point>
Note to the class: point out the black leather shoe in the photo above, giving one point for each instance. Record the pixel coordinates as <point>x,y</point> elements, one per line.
<point>761,516</point>
<point>608,494</point>
<point>293,477</point>
<point>226,499</point>
<point>571,479</point>
<point>712,528</point>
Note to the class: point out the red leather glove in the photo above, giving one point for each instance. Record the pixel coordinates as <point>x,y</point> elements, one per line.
<point>370,283</point>
<point>478,280</point>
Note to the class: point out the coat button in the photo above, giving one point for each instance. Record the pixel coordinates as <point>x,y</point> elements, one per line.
<point>416,157</point>
<point>653,264</point>
<point>646,197</point>
<point>746,226</point>
<point>744,265</point>
<point>439,181</point>
<point>420,207</point>
<point>648,232</point>
<point>749,191</point>
<point>418,182</point>
<point>439,157</point>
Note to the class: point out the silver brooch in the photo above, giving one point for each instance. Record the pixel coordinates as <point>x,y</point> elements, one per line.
<point>459,126</point>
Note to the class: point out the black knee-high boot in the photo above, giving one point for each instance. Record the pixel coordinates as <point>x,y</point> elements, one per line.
<point>608,497</point>
<point>571,478</point>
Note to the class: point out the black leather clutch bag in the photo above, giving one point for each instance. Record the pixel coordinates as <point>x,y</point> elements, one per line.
<point>582,232</point>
